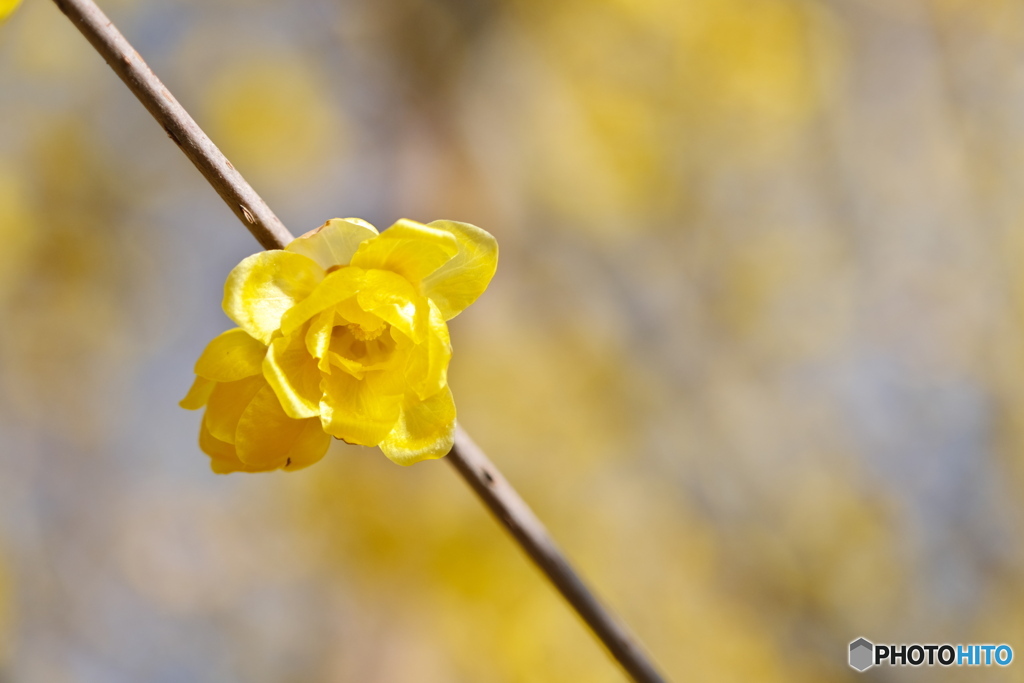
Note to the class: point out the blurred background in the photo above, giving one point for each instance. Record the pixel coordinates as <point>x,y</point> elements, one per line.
<point>754,351</point>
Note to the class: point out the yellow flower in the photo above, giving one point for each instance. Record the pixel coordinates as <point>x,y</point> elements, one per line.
<point>349,330</point>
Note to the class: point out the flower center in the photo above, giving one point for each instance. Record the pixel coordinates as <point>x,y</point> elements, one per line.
<point>363,334</point>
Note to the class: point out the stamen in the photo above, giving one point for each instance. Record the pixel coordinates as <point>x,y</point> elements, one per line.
<point>363,334</point>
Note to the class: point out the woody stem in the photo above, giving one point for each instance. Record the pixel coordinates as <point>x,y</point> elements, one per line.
<point>466,457</point>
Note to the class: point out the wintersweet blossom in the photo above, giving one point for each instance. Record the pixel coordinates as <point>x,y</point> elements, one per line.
<point>343,333</point>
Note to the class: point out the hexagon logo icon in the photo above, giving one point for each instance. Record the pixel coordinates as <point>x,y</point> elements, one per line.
<point>862,654</point>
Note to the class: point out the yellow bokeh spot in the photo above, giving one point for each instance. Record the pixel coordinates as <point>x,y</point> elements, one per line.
<point>7,6</point>
<point>275,117</point>
<point>17,229</point>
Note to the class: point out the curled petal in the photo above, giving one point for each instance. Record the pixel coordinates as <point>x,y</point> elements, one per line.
<point>231,356</point>
<point>393,299</point>
<point>227,403</point>
<point>318,337</point>
<point>352,367</point>
<point>425,429</point>
<point>411,249</point>
<point>359,411</point>
<point>268,438</point>
<point>428,362</point>
<point>263,286</point>
<point>198,395</point>
<point>294,376</point>
<point>334,242</point>
<point>336,287</point>
<point>350,310</point>
<point>459,282</point>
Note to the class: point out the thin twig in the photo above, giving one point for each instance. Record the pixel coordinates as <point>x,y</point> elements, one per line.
<point>466,457</point>
<point>250,208</point>
<point>513,512</point>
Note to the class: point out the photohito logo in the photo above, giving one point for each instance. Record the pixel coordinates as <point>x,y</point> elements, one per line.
<point>861,654</point>
<point>864,654</point>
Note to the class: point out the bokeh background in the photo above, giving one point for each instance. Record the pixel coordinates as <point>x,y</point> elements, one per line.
<point>754,351</point>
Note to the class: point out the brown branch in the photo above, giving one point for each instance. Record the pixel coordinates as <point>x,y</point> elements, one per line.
<point>513,512</point>
<point>250,208</point>
<point>466,457</point>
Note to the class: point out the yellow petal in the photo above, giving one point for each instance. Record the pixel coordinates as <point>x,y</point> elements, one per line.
<point>231,466</point>
<point>350,311</point>
<point>393,299</point>
<point>365,224</point>
<point>424,431</point>
<point>227,403</point>
<point>359,411</point>
<point>267,437</point>
<point>459,282</point>
<point>411,249</point>
<point>309,446</point>
<point>231,356</point>
<point>352,367</point>
<point>294,376</point>
<point>263,286</point>
<point>223,459</point>
<point>214,447</point>
<point>336,287</point>
<point>198,395</point>
<point>428,362</point>
<point>334,242</point>
<point>318,335</point>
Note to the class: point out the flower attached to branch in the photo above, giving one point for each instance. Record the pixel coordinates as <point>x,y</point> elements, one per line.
<point>343,334</point>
